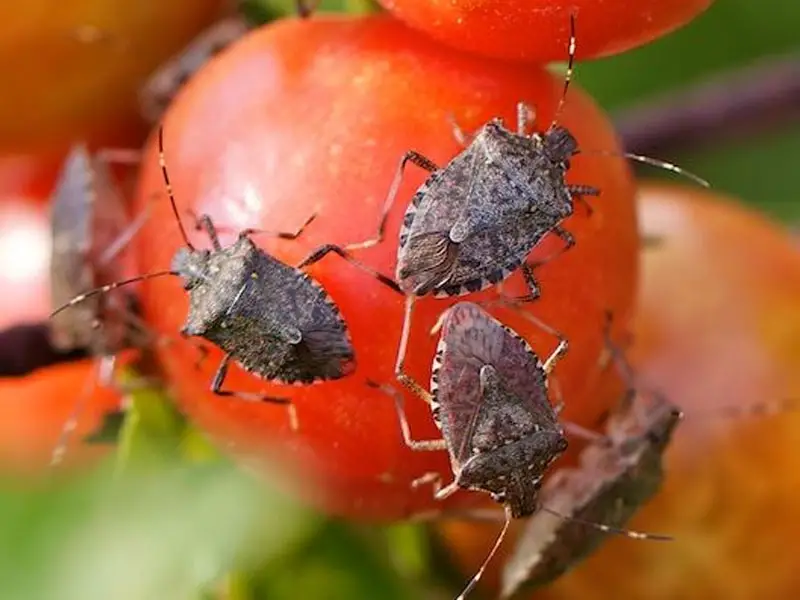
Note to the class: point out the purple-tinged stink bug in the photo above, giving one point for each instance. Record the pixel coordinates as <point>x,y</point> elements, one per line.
<point>489,398</point>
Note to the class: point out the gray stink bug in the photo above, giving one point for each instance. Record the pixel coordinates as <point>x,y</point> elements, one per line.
<point>162,86</point>
<point>489,398</point>
<point>614,479</point>
<point>271,318</point>
<point>90,231</point>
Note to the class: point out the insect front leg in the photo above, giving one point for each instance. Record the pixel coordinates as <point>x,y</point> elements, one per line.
<point>321,252</point>
<point>284,235</point>
<point>412,157</point>
<point>440,492</point>
<point>216,388</point>
<point>579,193</point>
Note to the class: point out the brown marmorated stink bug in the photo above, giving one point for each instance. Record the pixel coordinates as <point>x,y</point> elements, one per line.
<point>613,481</point>
<point>271,318</point>
<point>162,86</point>
<point>90,231</point>
<point>489,398</point>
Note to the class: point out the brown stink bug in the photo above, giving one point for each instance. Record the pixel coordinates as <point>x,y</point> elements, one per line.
<point>162,86</point>
<point>90,230</point>
<point>271,318</point>
<point>489,398</point>
<point>614,480</point>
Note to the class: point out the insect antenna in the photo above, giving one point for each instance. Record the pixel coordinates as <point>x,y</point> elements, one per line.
<point>477,577</point>
<point>653,162</point>
<point>163,164</point>
<point>568,75</point>
<point>107,288</point>
<point>636,535</point>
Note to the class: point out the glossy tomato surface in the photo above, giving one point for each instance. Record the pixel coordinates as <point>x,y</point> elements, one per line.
<point>538,30</point>
<point>302,117</point>
<point>34,408</point>
<point>72,69</point>
<point>718,326</point>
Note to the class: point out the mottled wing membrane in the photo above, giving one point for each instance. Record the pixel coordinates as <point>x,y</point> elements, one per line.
<point>274,320</point>
<point>470,339</point>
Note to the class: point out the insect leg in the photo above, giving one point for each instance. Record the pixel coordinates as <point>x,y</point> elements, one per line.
<point>419,445</point>
<point>401,376</point>
<point>526,115</point>
<point>410,156</point>
<point>205,222</point>
<point>579,193</point>
<point>461,136</point>
<point>124,238</point>
<point>216,388</point>
<point>321,252</point>
<point>440,492</point>
<point>104,370</point>
<point>284,235</point>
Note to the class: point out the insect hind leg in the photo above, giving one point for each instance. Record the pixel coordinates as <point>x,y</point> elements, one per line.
<point>216,388</point>
<point>321,252</point>
<point>579,193</point>
<point>417,445</point>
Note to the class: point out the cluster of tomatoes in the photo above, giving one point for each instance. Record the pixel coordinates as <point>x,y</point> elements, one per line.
<point>312,115</point>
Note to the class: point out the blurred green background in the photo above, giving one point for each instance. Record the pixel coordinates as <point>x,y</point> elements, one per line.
<point>166,518</point>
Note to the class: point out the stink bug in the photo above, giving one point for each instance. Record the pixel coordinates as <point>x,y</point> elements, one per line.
<point>489,398</point>
<point>89,232</point>
<point>163,84</point>
<point>271,318</point>
<point>615,478</point>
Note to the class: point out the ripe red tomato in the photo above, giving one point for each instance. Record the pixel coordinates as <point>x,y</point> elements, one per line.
<point>718,325</point>
<point>33,410</point>
<point>100,52</point>
<point>314,116</point>
<point>538,30</point>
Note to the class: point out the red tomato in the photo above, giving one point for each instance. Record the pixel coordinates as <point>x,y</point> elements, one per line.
<point>538,30</point>
<point>718,326</point>
<point>72,69</point>
<point>314,116</point>
<point>33,410</point>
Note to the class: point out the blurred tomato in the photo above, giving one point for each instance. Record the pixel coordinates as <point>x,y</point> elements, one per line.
<point>302,117</point>
<point>34,408</point>
<point>538,30</point>
<point>72,69</point>
<point>718,325</point>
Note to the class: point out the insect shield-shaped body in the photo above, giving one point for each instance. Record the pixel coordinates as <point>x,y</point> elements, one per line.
<point>88,220</point>
<point>273,319</point>
<point>474,222</point>
<point>164,84</point>
<point>489,398</point>
<point>615,478</point>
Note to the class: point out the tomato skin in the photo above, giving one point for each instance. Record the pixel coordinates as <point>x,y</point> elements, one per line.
<point>34,408</point>
<point>510,28</point>
<point>717,326</point>
<point>93,96</point>
<point>302,117</point>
